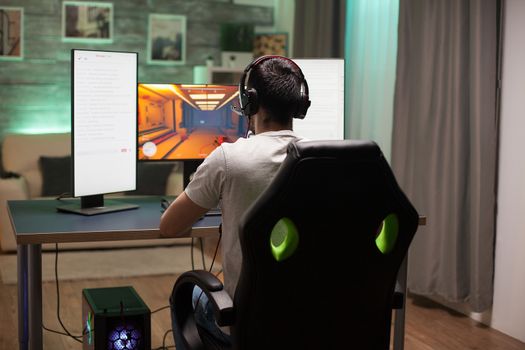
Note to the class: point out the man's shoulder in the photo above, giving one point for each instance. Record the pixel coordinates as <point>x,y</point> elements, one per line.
<point>233,149</point>
<point>256,141</point>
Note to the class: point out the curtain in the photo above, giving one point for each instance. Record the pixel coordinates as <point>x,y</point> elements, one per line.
<point>319,28</point>
<point>370,68</point>
<point>445,143</point>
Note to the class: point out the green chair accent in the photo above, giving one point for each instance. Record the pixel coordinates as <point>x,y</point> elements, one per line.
<point>386,240</point>
<point>284,239</point>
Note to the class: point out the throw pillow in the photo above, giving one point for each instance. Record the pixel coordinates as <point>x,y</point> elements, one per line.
<point>56,175</point>
<point>152,178</point>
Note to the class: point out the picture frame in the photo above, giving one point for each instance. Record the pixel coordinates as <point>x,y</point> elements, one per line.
<point>87,22</point>
<point>12,23</point>
<point>166,39</point>
<point>270,44</point>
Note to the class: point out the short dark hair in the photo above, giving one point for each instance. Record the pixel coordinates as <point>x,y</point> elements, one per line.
<point>278,83</point>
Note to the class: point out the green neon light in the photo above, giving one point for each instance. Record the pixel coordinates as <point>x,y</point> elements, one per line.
<point>386,240</point>
<point>46,109</point>
<point>38,131</point>
<point>284,239</point>
<point>40,122</point>
<point>89,327</point>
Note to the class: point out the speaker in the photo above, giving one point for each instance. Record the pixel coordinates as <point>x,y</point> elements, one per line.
<point>248,99</point>
<point>114,319</point>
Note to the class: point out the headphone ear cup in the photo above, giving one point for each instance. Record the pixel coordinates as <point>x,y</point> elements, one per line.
<point>252,103</point>
<point>244,101</point>
<point>303,108</point>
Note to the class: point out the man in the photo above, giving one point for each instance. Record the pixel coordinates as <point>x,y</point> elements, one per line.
<point>272,92</point>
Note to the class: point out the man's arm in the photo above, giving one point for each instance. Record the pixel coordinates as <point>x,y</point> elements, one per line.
<point>180,216</point>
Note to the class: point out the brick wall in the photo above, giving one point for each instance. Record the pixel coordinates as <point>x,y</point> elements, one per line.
<point>35,92</point>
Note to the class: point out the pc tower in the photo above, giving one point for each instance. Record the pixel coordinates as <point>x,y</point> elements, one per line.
<point>115,319</point>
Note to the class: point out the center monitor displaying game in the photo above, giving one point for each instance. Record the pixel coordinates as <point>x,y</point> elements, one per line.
<point>183,122</point>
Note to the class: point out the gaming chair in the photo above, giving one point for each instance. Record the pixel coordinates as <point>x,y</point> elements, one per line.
<point>321,248</point>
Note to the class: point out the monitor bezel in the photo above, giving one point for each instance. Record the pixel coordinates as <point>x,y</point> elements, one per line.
<point>73,120</point>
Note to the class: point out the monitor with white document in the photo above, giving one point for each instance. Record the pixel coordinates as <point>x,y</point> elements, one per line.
<point>325,117</point>
<point>103,128</point>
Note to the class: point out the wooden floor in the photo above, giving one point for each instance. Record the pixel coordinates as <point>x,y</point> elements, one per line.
<point>428,326</point>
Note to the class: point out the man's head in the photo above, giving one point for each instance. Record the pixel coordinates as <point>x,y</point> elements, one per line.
<point>276,85</point>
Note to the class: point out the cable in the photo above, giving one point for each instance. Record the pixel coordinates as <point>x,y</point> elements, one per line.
<point>163,347</point>
<point>58,298</point>
<point>160,309</point>
<point>192,259</point>
<point>211,266</point>
<point>63,195</point>
<point>61,333</point>
<point>67,333</point>
<point>165,334</point>
<point>164,338</point>
<point>202,253</point>
<point>216,248</point>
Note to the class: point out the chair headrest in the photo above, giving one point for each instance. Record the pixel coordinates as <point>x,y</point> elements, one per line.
<point>338,149</point>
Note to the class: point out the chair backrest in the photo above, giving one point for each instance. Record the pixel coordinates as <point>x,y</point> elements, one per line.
<point>331,286</point>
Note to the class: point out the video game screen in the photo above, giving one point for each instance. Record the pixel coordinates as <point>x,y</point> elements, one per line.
<point>181,121</point>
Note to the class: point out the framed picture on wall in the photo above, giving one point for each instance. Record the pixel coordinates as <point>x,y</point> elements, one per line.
<point>270,44</point>
<point>87,21</point>
<point>11,33</point>
<point>166,39</point>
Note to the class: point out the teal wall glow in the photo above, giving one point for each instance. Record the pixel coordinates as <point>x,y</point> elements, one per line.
<point>370,70</point>
<point>35,91</point>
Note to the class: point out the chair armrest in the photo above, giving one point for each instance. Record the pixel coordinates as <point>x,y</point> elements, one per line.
<point>221,301</point>
<point>182,306</point>
<point>204,279</point>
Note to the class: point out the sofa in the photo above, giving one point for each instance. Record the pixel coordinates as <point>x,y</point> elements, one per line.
<point>23,178</point>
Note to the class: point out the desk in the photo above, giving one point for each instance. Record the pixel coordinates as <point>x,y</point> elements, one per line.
<point>37,221</point>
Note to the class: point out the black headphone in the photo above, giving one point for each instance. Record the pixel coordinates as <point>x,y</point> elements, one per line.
<point>248,97</point>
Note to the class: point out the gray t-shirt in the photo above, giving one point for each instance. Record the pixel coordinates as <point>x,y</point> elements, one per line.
<point>234,175</point>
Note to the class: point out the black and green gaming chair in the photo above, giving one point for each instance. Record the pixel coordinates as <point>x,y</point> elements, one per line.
<point>322,247</point>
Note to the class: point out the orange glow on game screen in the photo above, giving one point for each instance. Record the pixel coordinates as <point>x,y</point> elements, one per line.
<point>178,121</point>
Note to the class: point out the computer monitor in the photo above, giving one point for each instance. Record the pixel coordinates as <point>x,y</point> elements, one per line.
<point>326,81</point>
<point>186,122</point>
<point>103,128</point>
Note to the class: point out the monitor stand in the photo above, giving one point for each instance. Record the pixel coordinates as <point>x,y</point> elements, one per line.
<point>94,205</point>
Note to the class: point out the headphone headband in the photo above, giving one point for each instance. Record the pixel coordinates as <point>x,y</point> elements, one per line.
<point>248,97</point>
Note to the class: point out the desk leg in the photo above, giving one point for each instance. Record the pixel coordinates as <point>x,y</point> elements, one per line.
<point>399,322</point>
<point>23,317</point>
<point>35,297</point>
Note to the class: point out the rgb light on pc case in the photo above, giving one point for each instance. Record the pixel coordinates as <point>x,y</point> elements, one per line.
<point>88,326</point>
<point>115,319</point>
<point>125,337</point>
